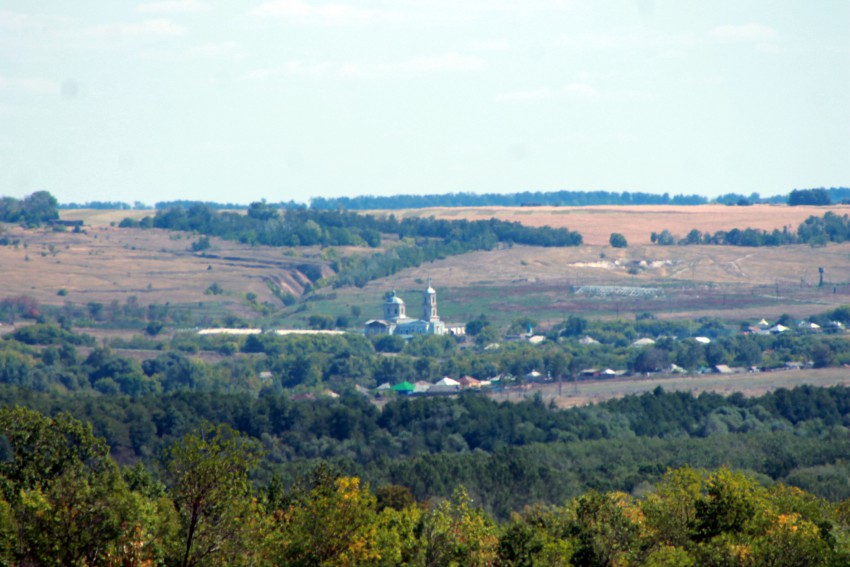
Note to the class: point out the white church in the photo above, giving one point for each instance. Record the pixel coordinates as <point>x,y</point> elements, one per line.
<point>396,321</point>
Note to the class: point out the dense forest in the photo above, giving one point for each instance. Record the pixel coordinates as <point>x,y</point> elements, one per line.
<point>508,455</point>
<point>65,501</point>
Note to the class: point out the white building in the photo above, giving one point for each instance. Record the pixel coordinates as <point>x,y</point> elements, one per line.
<point>396,321</point>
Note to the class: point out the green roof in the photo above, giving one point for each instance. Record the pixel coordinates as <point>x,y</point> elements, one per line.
<point>404,387</point>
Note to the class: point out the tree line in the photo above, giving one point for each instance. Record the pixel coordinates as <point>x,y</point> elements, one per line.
<point>816,196</point>
<point>524,198</point>
<point>33,210</point>
<point>266,224</point>
<point>815,231</point>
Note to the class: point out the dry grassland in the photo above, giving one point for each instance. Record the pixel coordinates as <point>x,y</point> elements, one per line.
<point>692,281</point>
<point>582,265</point>
<point>104,264</point>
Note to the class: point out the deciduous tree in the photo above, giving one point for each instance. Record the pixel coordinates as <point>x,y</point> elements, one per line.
<point>208,473</point>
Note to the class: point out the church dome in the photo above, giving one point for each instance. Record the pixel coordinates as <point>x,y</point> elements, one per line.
<point>395,299</point>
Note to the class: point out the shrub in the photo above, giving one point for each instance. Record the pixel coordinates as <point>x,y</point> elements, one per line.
<point>617,240</point>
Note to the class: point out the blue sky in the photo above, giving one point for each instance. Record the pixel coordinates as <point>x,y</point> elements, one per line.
<point>288,99</point>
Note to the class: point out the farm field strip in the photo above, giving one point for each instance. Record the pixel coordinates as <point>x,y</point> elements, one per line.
<point>586,392</point>
<point>636,222</point>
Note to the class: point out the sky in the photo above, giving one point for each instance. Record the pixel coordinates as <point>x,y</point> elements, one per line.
<point>237,101</point>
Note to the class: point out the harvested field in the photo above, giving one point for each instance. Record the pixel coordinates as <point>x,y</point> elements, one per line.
<point>637,222</point>
<point>104,217</point>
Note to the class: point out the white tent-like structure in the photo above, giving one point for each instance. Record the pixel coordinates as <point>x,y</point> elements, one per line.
<point>446,381</point>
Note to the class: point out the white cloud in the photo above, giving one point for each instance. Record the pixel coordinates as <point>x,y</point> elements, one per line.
<point>294,67</point>
<point>447,62</point>
<point>744,33</point>
<point>172,7</point>
<point>451,62</point>
<point>524,96</point>
<point>352,70</point>
<point>30,85</point>
<point>769,48</point>
<point>474,10</point>
<point>259,75</point>
<point>220,49</point>
<point>14,20</point>
<point>306,68</point>
<point>627,39</point>
<point>17,21</point>
<point>579,91</point>
<point>156,28</point>
<point>490,45</point>
<point>324,13</point>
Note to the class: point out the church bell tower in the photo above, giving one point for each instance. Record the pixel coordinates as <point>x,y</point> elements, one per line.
<point>429,304</point>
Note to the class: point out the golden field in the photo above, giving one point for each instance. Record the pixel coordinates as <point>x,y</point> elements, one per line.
<point>636,222</point>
